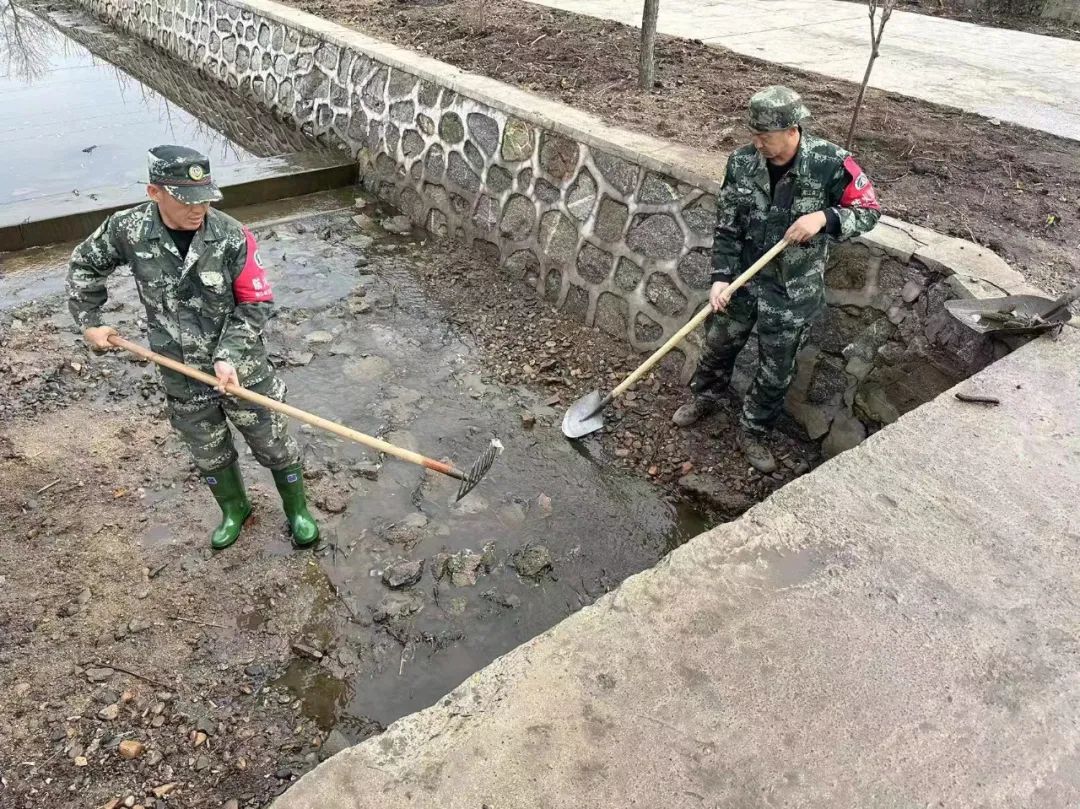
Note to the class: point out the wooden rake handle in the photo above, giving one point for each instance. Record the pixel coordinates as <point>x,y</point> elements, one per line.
<point>696,321</point>
<point>293,412</point>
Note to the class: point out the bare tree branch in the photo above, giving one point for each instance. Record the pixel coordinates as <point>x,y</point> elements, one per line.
<point>886,7</point>
<point>647,62</point>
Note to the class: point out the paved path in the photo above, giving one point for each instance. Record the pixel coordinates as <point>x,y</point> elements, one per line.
<point>896,629</point>
<point>1010,75</point>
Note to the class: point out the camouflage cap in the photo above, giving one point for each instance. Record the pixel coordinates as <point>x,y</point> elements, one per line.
<point>183,172</point>
<point>776,108</point>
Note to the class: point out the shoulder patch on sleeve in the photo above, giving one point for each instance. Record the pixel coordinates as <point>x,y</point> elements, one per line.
<point>252,285</point>
<point>859,192</point>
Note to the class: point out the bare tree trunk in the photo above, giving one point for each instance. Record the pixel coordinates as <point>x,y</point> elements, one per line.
<point>875,51</point>
<point>647,66</point>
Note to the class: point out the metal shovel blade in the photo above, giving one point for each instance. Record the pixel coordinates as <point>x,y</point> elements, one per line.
<point>1014,314</point>
<point>582,417</point>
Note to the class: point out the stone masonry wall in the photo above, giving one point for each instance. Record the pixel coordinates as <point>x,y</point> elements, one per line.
<point>597,224</point>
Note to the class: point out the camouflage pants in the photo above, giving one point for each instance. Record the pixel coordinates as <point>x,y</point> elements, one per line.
<point>780,333</point>
<point>201,423</point>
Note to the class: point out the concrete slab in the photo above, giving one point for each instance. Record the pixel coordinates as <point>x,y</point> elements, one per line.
<point>1023,78</point>
<point>898,628</point>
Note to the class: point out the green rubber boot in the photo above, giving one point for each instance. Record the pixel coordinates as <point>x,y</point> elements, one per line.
<point>228,489</point>
<point>290,485</point>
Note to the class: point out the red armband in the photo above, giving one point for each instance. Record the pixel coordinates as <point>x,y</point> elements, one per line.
<point>252,285</point>
<point>860,191</point>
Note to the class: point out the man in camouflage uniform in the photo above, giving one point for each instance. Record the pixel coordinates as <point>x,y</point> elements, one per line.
<point>786,184</point>
<point>207,300</point>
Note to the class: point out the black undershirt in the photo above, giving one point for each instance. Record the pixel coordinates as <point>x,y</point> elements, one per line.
<point>182,239</point>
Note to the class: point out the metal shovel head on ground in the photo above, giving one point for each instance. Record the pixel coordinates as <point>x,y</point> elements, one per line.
<point>586,415</point>
<point>469,479</point>
<point>1013,314</point>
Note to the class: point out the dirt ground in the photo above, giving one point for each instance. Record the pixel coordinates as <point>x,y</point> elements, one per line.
<point>226,676</point>
<point>1005,187</point>
<point>995,14</point>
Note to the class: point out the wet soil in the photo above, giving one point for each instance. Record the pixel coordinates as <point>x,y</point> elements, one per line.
<point>226,676</point>
<point>1011,189</point>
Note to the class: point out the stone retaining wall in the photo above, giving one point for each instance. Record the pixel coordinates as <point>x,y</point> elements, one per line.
<point>611,226</point>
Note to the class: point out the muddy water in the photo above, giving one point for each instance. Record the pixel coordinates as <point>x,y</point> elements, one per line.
<point>363,346</point>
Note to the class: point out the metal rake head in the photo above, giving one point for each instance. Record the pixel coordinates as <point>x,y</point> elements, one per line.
<point>480,468</point>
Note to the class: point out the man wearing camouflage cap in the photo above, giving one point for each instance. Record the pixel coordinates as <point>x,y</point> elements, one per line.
<point>207,300</point>
<point>786,184</point>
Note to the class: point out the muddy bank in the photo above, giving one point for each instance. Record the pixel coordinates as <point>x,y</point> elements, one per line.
<point>226,676</point>
<point>1008,188</point>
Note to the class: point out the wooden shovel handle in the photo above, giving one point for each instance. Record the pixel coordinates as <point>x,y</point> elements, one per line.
<point>697,320</point>
<point>293,412</point>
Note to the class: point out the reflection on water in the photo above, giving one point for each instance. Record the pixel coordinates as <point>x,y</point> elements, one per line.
<point>74,122</point>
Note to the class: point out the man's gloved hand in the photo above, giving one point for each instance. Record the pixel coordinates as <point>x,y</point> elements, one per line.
<point>225,374</point>
<point>97,337</point>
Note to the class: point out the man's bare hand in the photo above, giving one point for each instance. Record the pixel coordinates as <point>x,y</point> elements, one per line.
<point>97,337</point>
<point>806,227</point>
<point>718,296</point>
<point>225,374</point>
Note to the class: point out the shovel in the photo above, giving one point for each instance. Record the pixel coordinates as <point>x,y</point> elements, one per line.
<point>1014,314</point>
<point>586,414</point>
<point>468,479</point>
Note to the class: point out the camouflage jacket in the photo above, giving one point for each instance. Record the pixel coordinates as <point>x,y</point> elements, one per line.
<point>749,220</point>
<point>211,306</point>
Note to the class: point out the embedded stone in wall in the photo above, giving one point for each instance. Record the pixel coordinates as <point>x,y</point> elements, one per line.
<point>657,190</point>
<point>594,265</point>
<point>375,90</point>
<point>401,83</point>
<point>436,196</point>
<point>484,131</point>
<point>435,162</point>
<point>558,237</point>
<point>412,205</point>
<point>451,129</point>
<point>472,154</point>
<point>228,48</point>
<point>621,174</point>
<point>664,295</point>
<point>558,156</point>
<point>695,269</point>
<point>461,174</point>
<point>581,196</point>
<point>546,192</point>
<point>498,180</point>
<point>448,98</point>
<point>611,314</point>
<point>428,95</point>
<point>412,144</point>
<point>517,141</point>
<point>243,59</point>
<point>628,274</point>
<point>522,263</point>
<point>281,66</point>
<point>344,67</point>
<point>416,172</point>
<point>392,135</point>
<point>426,125</point>
<point>576,304</point>
<point>656,236</point>
<point>847,268</point>
<point>313,86</point>
<point>486,216</point>
<point>402,112</point>
<point>647,330</point>
<point>437,223</point>
<point>610,220</point>
<point>519,218</point>
<point>829,381</point>
<point>553,286</point>
<point>286,95</point>
<point>700,216</point>
<point>326,56</point>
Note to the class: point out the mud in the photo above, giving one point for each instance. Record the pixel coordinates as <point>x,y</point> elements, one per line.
<point>287,656</point>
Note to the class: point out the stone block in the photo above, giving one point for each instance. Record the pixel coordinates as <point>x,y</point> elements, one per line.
<point>403,112</point>
<point>412,144</point>
<point>558,156</point>
<point>461,174</point>
<point>700,216</point>
<point>435,163</point>
<point>621,174</point>
<point>326,57</point>
<point>451,130</point>
<point>594,265</point>
<point>576,305</point>
<point>581,197</point>
<point>484,131</point>
<point>425,124</point>
<point>519,217</point>
<point>524,180</point>
<point>657,190</point>
<point>899,239</point>
<point>472,154</point>
<point>498,180</point>
<point>553,285</point>
<point>375,90</point>
<point>522,263</point>
<point>849,267</point>
<point>611,315</point>
<point>695,269</point>
<point>628,274</point>
<point>401,83</point>
<point>662,292</point>
<point>517,141</point>
<point>656,236</point>
<point>545,191</point>
<point>950,256</point>
<point>428,94</point>
<point>558,237</point>
<point>610,220</point>
<point>486,215</point>
<point>647,330</point>
<point>846,432</point>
